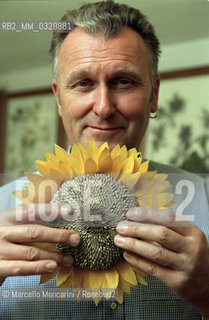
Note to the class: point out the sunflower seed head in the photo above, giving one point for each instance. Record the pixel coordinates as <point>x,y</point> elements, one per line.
<point>99,202</point>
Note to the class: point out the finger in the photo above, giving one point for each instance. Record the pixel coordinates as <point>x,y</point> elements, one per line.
<point>22,252</point>
<point>37,233</point>
<point>166,275</point>
<point>41,213</point>
<point>23,268</point>
<point>150,251</point>
<point>148,232</point>
<point>161,217</point>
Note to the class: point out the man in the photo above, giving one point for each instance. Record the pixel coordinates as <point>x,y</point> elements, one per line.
<point>106,85</point>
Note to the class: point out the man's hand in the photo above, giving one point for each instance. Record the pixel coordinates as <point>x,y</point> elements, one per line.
<point>182,259</point>
<point>17,231</point>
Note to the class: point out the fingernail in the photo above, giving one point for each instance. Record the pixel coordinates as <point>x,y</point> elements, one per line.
<point>132,213</point>
<point>119,240</point>
<point>66,208</point>
<point>51,266</point>
<point>67,261</point>
<point>74,239</point>
<point>122,226</point>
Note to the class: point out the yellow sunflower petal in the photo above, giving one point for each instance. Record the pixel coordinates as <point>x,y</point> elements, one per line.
<point>117,164</point>
<point>46,246</point>
<point>76,278</point>
<point>164,199</point>
<point>76,160</point>
<point>126,273</point>
<point>103,155</point>
<point>96,279</point>
<point>32,193</point>
<point>124,152</point>
<point>144,166</point>
<point>130,180</point>
<point>161,176</point>
<point>91,151</point>
<point>128,166</point>
<point>120,294</point>
<point>46,277</point>
<point>42,166</point>
<point>64,274</point>
<point>111,279</point>
<point>36,179</point>
<point>61,153</point>
<point>65,167</point>
<point>59,178</point>
<point>155,201</point>
<point>137,164</point>
<point>144,183</point>
<point>139,271</point>
<point>67,283</point>
<point>125,287</point>
<point>24,196</point>
<point>105,165</point>
<point>133,152</point>
<point>76,152</point>
<point>103,146</point>
<point>115,151</point>
<point>160,186</point>
<point>50,157</point>
<point>141,279</point>
<point>90,166</point>
<point>81,148</point>
<point>46,191</point>
<point>76,167</point>
<point>48,166</point>
<point>85,280</point>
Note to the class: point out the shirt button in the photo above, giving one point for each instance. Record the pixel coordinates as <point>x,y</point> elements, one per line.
<point>113,305</point>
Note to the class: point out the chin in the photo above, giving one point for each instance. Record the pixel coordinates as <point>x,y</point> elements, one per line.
<point>111,140</point>
<point>111,143</point>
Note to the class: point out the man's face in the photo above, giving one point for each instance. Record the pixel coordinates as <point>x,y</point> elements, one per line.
<point>105,89</point>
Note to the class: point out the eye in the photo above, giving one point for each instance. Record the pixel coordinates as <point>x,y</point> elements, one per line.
<point>124,81</point>
<point>83,84</point>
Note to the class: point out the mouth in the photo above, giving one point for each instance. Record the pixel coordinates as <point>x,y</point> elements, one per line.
<point>101,134</point>
<point>104,129</point>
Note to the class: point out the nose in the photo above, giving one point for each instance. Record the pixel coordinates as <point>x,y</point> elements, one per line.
<point>104,105</point>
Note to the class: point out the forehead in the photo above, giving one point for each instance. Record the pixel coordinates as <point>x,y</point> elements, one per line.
<point>81,49</point>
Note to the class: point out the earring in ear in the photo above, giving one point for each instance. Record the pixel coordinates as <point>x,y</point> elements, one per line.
<point>154,116</point>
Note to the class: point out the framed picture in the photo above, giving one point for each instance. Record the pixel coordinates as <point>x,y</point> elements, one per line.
<point>179,135</point>
<point>30,125</point>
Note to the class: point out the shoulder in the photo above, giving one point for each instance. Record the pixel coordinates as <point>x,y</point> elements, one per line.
<point>179,173</point>
<point>180,177</point>
<point>165,168</point>
<point>191,193</point>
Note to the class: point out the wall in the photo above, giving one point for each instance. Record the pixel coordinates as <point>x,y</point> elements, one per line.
<point>185,55</point>
<point>175,56</point>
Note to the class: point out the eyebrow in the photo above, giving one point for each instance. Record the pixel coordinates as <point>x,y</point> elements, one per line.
<point>77,74</point>
<point>119,72</point>
<point>123,71</point>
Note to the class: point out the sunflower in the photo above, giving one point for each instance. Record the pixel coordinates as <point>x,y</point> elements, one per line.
<point>101,185</point>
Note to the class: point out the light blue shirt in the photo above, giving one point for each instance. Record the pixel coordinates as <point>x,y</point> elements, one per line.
<point>155,301</point>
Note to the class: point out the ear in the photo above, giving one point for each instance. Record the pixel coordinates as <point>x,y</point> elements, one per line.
<point>154,103</point>
<point>57,96</point>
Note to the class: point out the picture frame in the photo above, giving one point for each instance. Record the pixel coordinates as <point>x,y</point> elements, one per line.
<point>30,125</point>
<point>180,136</point>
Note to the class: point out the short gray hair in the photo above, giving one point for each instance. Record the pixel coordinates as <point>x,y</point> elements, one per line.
<point>109,18</point>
